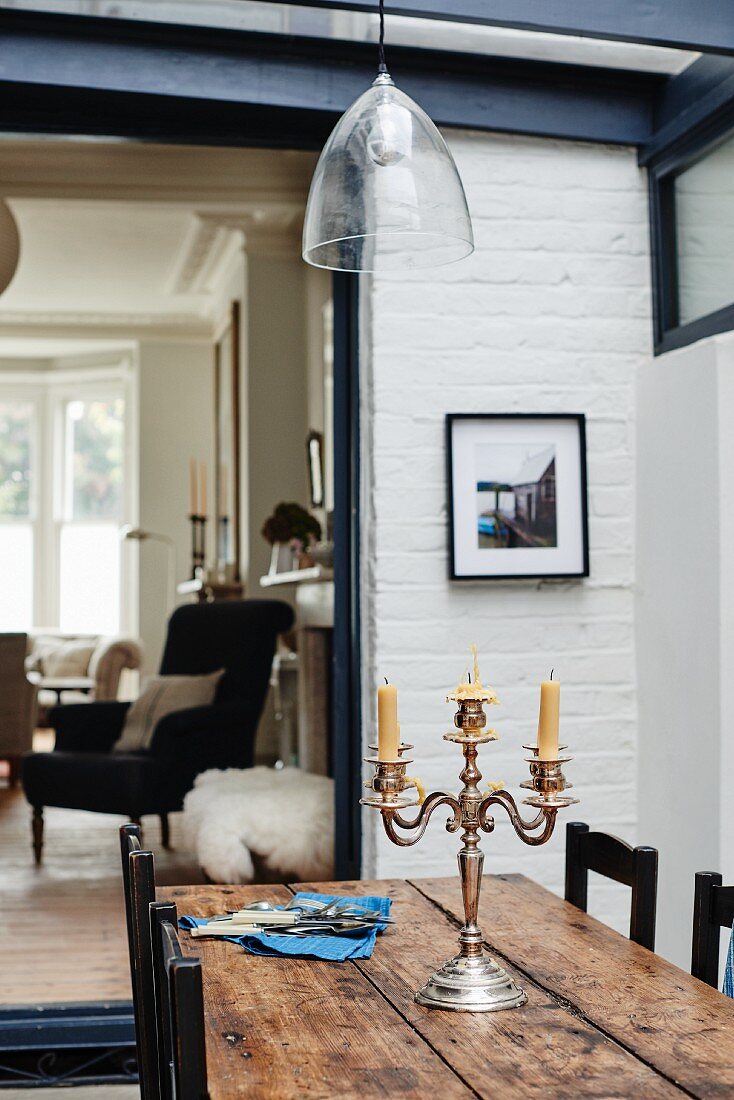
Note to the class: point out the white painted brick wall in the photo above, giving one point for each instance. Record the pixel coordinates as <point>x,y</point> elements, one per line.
<point>550,314</point>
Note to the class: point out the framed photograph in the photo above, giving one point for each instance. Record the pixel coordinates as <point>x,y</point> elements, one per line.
<point>227,442</point>
<point>517,495</point>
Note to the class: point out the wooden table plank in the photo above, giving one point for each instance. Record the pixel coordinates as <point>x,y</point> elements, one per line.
<point>683,1028</point>
<point>281,1028</point>
<point>543,1049</point>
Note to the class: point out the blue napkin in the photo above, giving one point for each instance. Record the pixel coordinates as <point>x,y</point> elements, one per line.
<point>728,987</point>
<point>357,945</point>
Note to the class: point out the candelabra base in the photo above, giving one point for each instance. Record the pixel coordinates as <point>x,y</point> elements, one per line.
<point>471,985</point>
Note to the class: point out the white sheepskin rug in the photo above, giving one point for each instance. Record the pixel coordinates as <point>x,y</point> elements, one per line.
<point>284,816</point>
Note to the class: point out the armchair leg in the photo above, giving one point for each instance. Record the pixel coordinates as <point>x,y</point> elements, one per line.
<point>13,770</point>
<point>37,827</point>
<point>165,832</point>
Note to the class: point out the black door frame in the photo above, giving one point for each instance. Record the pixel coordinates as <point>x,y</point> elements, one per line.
<point>346,696</point>
<point>347,699</point>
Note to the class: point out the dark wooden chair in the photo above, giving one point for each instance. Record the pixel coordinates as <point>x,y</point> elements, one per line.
<point>713,909</point>
<point>611,857</point>
<point>179,1010</point>
<point>138,878</point>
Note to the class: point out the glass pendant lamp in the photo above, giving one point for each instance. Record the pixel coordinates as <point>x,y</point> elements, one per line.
<point>386,194</point>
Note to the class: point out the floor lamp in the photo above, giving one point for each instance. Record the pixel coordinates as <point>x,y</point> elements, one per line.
<point>137,534</point>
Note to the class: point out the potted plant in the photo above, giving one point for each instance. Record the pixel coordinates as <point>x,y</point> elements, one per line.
<point>291,530</point>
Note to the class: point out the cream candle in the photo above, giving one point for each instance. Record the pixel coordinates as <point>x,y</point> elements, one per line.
<point>202,479</point>
<point>548,718</point>
<point>388,730</point>
<point>471,686</point>
<point>192,487</point>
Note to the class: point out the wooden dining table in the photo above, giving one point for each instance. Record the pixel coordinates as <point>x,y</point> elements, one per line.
<point>604,1017</point>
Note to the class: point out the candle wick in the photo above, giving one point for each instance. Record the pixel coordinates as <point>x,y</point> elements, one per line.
<point>551,675</point>
<point>385,679</point>
<point>469,675</point>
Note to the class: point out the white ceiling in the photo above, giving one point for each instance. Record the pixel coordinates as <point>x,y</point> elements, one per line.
<point>117,236</point>
<point>109,258</point>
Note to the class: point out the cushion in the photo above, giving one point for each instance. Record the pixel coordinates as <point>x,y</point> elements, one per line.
<point>66,659</point>
<point>162,695</point>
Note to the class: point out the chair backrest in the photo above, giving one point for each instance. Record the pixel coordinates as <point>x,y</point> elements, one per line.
<point>179,1010</point>
<point>611,857</point>
<point>713,909</point>
<point>138,878</point>
<point>237,635</point>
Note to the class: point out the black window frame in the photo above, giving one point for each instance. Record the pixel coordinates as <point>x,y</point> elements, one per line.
<point>668,332</point>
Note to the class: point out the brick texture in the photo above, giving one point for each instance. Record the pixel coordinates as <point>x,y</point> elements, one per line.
<point>551,314</point>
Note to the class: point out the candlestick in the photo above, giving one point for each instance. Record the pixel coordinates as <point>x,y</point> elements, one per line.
<point>548,718</point>
<point>388,730</point>
<point>198,545</point>
<point>472,981</point>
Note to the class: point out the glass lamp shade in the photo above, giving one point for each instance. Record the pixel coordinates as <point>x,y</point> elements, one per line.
<point>386,194</point>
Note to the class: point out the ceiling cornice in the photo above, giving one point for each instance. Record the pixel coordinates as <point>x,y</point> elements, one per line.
<point>215,239</point>
<point>132,171</point>
<point>108,326</point>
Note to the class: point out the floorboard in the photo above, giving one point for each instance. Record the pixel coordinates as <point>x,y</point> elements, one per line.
<point>62,926</point>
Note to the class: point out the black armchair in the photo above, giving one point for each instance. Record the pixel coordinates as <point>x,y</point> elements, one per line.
<point>83,774</point>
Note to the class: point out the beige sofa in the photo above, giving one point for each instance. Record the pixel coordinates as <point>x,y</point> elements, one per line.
<point>65,666</point>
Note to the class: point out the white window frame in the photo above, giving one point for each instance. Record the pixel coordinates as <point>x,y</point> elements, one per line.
<point>16,391</point>
<point>49,391</point>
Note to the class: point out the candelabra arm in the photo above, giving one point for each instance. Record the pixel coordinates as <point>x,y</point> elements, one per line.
<point>391,819</point>
<point>524,829</point>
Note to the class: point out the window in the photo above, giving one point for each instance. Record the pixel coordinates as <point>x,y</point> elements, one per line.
<point>64,493</point>
<point>17,506</point>
<point>91,514</point>
<point>704,233</point>
<point>692,226</point>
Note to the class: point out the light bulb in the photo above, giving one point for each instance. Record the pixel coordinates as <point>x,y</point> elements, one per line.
<point>389,135</point>
<point>388,139</point>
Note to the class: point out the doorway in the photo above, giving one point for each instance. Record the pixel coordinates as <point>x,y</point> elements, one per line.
<point>157,355</point>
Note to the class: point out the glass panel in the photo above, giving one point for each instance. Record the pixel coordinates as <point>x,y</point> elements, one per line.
<point>704,206</point>
<point>89,578</point>
<point>16,436</point>
<point>95,437</point>
<point>16,566</point>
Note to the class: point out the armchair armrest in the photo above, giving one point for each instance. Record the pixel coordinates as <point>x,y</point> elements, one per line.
<point>198,738</point>
<point>87,727</point>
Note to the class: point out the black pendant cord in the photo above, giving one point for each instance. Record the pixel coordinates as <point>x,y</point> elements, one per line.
<point>382,67</point>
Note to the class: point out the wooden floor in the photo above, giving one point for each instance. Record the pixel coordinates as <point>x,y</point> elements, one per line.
<point>62,926</point>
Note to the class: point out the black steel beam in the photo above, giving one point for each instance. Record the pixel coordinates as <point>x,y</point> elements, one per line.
<point>706,26</point>
<point>167,77</point>
<point>694,109</point>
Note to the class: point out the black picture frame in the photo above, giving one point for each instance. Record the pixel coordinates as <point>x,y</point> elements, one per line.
<point>579,420</point>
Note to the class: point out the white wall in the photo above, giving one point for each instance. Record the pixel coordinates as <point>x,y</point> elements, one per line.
<point>550,314</point>
<point>685,623</point>
<point>176,390</point>
<point>276,396</point>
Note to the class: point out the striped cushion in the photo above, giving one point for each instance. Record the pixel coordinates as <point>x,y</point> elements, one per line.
<point>162,695</point>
